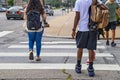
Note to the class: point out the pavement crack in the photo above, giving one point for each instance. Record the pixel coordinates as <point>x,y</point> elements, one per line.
<point>66,59</point>
<point>69,76</point>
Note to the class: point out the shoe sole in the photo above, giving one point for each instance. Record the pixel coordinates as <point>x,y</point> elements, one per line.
<point>113,45</point>
<point>91,74</point>
<point>78,71</point>
<point>38,59</point>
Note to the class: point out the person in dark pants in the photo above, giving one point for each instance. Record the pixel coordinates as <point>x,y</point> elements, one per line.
<point>112,5</point>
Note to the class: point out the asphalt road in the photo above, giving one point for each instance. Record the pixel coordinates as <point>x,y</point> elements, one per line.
<point>58,56</point>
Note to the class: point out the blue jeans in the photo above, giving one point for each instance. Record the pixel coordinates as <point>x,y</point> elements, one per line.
<point>35,36</point>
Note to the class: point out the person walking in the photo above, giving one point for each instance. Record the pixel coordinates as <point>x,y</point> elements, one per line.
<point>84,37</point>
<point>112,5</point>
<point>35,35</point>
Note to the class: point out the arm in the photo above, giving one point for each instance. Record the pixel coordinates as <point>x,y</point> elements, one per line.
<point>117,6</point>
<point>44,16</point>
<point>25,16</point>
<point>76,20</point>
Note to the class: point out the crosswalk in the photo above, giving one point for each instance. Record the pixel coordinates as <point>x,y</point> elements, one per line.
<point>4,33</point>
<point>53,45</point>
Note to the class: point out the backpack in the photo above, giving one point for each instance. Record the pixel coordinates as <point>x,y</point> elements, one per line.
<point>33,20</point>
<point>105,19</point>
<point>98,16</point>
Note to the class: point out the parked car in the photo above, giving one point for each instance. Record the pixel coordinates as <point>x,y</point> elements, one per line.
<point>15,12</point>
<point>49,10</point>
<point>2,9</point>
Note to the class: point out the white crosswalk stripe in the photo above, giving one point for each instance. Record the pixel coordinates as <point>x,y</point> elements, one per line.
<point>54,65</point>
<point>58,42</point>
<point>3,33</point>
<point>55,54</point>
<point>52,46</point>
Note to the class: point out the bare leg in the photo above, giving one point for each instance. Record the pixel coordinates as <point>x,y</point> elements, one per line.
<point>79,53</point>
<point>107,35</point>
<point>91,55</point>
<point>113,35</point>
<point>79,58</point>
<point>90,68</point>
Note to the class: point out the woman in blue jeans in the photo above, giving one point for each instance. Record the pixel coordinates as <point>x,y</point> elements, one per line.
<point>35,35</point>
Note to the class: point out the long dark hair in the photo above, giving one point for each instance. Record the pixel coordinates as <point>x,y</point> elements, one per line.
<point>35,5</point>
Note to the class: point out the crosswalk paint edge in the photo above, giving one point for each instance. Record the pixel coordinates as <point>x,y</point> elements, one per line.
<point>109,67</point>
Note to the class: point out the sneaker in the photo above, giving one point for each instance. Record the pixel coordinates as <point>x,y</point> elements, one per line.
<point>91,72</point>
<point>38,59</point>
<point>78,69</point>
<point>31,57</point>
<point>107,43</point>
<point>113,44</point>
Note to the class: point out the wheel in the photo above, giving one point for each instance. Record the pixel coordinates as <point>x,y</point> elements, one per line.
<point>22,18</point>
<point>8,18</point>
<point>49,14</point>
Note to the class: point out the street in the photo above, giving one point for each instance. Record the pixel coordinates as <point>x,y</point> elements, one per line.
<point>58,56</point>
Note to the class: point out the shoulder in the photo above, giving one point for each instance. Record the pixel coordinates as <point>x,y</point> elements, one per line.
<point>99,1</point>
<point>78,1</point>
<point>107,3</point>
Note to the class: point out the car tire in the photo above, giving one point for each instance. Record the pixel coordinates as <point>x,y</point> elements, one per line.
<point>22,18</point>
<point>8,18</point>
<point>49,14</point>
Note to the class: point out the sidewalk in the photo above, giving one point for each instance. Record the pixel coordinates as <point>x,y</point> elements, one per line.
<point>62,26</point>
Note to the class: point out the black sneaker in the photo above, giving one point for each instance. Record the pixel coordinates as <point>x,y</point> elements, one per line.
<point>107,43</point>
<point>91,72</point>
<point>113,44</point>
<point>78,69</point>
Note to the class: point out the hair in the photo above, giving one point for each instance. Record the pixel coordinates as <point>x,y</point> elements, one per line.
<point>35,5</point>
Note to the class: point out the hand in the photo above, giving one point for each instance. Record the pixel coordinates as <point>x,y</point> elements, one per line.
<point>73,34</point>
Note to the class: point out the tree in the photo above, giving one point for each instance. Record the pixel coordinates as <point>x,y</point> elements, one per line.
<point>58,3</point>
<point>54,3</point>
<point>10,2</point>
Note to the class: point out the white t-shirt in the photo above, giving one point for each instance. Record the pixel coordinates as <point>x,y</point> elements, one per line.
<point>82,6</point>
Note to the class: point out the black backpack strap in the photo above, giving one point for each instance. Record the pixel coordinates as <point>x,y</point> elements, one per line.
<point>89,11</point>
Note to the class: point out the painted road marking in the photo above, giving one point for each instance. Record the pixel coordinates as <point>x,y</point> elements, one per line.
<point>56,54</point>
<point>57,42</point>
<point>3,33</point>
<point>71,66</point>
<point>53,46</point>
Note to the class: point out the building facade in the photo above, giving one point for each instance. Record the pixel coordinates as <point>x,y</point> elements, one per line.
<point>23,2</point>
<point>20,2</point>
<point>3,3</point>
